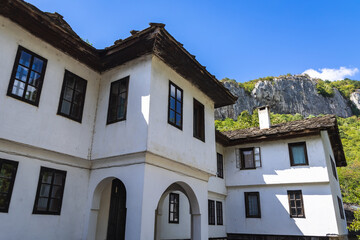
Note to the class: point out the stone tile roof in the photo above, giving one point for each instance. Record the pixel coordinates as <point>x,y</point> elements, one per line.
<point>301,128</point>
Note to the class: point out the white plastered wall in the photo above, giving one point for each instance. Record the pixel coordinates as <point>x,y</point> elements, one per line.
<point>169,141</point>
<point>28,124</point>
<point>334,183</point>
<point>128,136</point>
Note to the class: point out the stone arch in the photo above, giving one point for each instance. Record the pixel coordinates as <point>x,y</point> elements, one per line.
<point>96,204</point>
<point>194,209</point>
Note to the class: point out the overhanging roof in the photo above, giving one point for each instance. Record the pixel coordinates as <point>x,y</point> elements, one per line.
<point>53,29</point>
<point>295,129</point>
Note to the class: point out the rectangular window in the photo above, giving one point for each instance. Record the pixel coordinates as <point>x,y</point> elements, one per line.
<point>175,105</point>
<point>211,212</point>
<point>118,100</point>
<point>199,124</point>
<point>50,191</point>
<point>296,204</point>
<point>220,165</point>
<point>341,209</point>
<point>248,158</point>
<point>219,213</point>
<point>72,97</point>
<point>252,205</point>
<point>8,171</point>
<point>333,167</point>
<point>27,76</point>
<point>173,208</point>
<point>298,154</point>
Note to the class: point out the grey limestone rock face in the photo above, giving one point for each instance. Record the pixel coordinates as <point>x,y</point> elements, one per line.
<point>355,98</point>
<point>288,94</point>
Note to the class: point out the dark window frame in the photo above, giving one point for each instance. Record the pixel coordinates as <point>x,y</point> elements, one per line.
<point>211,212</point>
<point>290,145</point>
<point>176,208</point>
<point>341,208</point>
<point>257,194</point>
<point>242,159</point>
<point>198,120</point>
<point>13,75</point>
<point>219,213</point>
<point>289,192</point>
<point>108,120</point>
<point>11,185</point>
<point>53,171</point>
<point>83,94</point>
<point>175,110</point>
<point>333,167</point>
<point>220,165</point>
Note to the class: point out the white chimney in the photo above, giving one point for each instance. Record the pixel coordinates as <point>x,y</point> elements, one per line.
<point>264,117</point>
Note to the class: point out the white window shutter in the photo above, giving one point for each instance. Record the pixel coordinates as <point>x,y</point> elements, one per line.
<point>257,156</point>
<point>237,154</point>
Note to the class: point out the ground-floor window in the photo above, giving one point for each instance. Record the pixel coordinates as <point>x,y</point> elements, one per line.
<point>50,191</point>
<point>252,205</point>
<point>8,171</point>
<point>173,208</point>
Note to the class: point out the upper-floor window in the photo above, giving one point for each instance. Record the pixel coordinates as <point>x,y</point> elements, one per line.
<point>72,96</point>
<point>333,167</point>
<point>8,171</point>
<point>27,76</point>
<point>175,108</point>
<point>50,191</point>
<point>341,208</point>
<point>118,100</point>
<point>252,205</point>
<point>296,204</point>
<point>174,208</point>
<point>220,165</point>
<point>298,154</point>
<point>199,123</point>
<point>248,158</point>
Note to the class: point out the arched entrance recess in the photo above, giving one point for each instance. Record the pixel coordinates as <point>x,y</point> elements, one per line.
<point>194,209</point>
<point>108,210</point>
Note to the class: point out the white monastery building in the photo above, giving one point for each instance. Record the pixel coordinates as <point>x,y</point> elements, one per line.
<point>120,143</point>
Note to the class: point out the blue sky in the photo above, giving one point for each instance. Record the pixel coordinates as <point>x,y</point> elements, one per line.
<point>242,40</point>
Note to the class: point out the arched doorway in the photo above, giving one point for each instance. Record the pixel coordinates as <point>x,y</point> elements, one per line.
<point>108,210</point>
<point>194,210</point>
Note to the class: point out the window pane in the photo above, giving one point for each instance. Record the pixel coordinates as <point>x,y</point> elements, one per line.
<point>34,78</point>
<point>253,206</point>
<point>70,81</point>
<point>75,111</point>
<point>3,201</point>
<point>248,159</point>
<point>37,65</point>
<point>80,86</point>
<point>54,205</point>
<point>31,93</point>
<point>18,88</point>
<point>25,59</point>
<point>44,190</point>
<point>22,73</point>
<point>68,93</point>
<point>172,116</point>
<point>47,177</point>
<point>178,95</point>
<point>172,90</point>
<point>6,170</point>
<point>42,204</point>
<point>178,107</point>
<point>172,103</point>
<point>58,179</point>
<point>56,192</point>
<point>298,154</point>
<point>123,86</point>
<point>178,119</point>
<point>4,185</point>
<point>65,107</point>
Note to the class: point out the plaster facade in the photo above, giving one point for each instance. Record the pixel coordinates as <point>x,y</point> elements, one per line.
<point>150,157</point>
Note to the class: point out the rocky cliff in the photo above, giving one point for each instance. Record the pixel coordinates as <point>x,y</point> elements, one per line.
<point>287,94</point>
